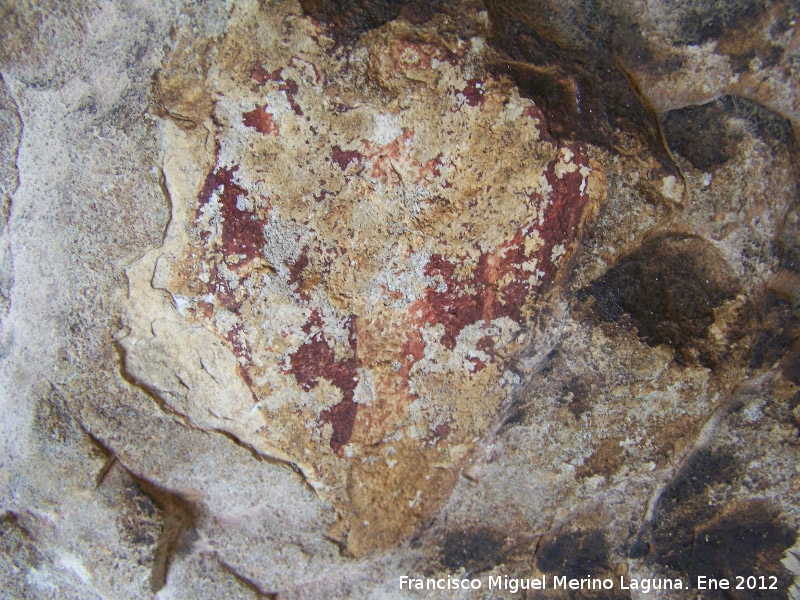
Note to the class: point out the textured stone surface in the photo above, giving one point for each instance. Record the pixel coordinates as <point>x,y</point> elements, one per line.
<point>375,298</point>
<point>297,298</point>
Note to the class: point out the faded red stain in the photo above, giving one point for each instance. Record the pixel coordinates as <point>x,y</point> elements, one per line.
<point>459,306</point>
<point>442,430</point>
<point>260,120</point>
<point>297,267</point>
<point>242,233</point>
<point>392,161</point>
<point>206,309</point>
<point>406,56</point>
<point>290,87</point>
<point>344,157</point>
<point>413,351</point>
<point>341,417</point>
<point>392,390</point>
<point>242,372</point>
<point>316,360</point>
<point>433,166</point>
<point>485,345</point>
<point>535,113</point>
<point>499,285</point>
<point>261,76</point>
<point>563,216</point>
<point>474,92</point>
<point>236,339</point>
<point>218,286</point>
<point>454,307</point>
<point>302,63</point>
<point>386,159</point>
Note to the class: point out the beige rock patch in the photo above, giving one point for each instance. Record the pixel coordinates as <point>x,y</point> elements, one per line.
<point>358,244</point>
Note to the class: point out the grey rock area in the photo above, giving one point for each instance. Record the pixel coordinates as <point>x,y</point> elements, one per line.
<point>644,423</point>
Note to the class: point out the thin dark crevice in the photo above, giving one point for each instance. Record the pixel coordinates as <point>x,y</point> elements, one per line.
<point>179,521</point>
<point>18,145</point>
<point>180,418</point>
<point>186,422</point>
<point>657,125</point>
<point>244,580</point>
<point>268,458</point>
<point>104,470</point>
<point>341,545</point>
<point>162,184</point>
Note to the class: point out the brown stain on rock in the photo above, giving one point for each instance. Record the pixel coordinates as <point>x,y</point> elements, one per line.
<point>576,78</point>
<point>347,19</point>
<point>473,549</point>
<point>574,554</point>
<point>747,537</point>
<point>669,288</point>
<point>790,364</point>
<point>394,502</point>
<point>179,87</point>
<point>701,135</point>
<point>606,459</point>
<point>738,42</point>
<point>704,21</point>
<point>178,531</point>
<point>670,437</point>
<point>708,135</point>
<point>780,330</point>
<point>692,535</point>
<point>579,390</point>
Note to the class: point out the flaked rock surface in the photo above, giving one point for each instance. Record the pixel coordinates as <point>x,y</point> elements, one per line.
<point>375,232</point>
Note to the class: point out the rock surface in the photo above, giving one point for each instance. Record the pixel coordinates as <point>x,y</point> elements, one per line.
<point>299,298</point>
